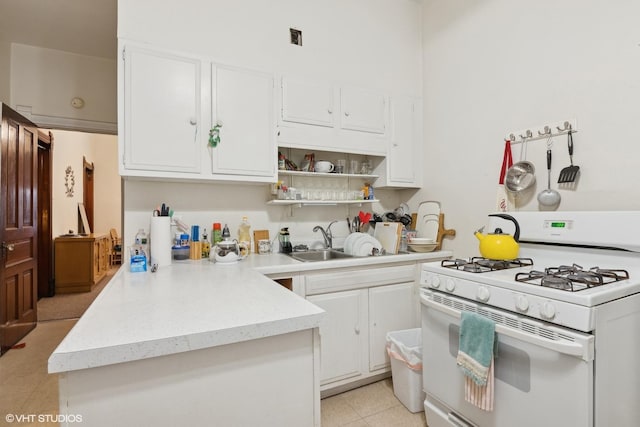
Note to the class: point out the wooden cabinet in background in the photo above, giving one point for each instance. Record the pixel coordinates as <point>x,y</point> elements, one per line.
<point>80,262</point>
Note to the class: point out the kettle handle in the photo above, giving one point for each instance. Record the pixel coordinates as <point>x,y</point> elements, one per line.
<point>516,235</point>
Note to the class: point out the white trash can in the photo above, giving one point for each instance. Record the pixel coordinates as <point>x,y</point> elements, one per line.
<point>405,351</point>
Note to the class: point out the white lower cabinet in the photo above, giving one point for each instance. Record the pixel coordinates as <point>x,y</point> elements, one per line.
<point>353,332</point>
<point>391,308</point>
<point>342,334</point>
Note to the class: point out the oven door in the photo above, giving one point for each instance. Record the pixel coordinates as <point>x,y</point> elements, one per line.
<point>543,373</point>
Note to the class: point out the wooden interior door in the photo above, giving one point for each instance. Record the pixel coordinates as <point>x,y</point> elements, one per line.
<point>46,284</point>
<point>18,227</point>
<point>87,191</point>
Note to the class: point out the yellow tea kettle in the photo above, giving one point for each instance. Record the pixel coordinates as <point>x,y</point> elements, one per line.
<point>499,245</point>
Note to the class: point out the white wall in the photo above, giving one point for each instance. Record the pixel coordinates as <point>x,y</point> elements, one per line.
<point>500,65</point>
<point>5,72</point>
<point>47,80</point>
<point>370,43</point>
<point>68,150</point>
<point>365,42</point>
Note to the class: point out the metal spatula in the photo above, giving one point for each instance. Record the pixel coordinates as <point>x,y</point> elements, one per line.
<point>570,173</point>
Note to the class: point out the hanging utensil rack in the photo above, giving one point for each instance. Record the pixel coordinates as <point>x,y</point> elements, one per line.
<point>542,132</point>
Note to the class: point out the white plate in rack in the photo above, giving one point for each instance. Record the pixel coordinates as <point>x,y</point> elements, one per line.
<point>428,220</point>
<point>349,242</point>
<point>364,246</point>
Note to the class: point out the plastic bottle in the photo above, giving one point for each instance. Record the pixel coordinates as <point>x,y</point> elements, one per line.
<point>206,246</point>
<point>141,240</point>
<point>141,237</point>
<point>244,233</point>
<point>217,233</point>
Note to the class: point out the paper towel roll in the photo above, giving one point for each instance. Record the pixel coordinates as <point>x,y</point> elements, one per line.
<point>160,240</point>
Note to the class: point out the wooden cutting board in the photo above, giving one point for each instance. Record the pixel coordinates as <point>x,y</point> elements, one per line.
<point>259,235</point>
<point>389,234</point>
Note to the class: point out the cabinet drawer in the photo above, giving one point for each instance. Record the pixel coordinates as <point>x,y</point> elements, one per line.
<point>355,279</point>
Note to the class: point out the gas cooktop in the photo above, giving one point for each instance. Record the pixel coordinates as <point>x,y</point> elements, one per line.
<point>572,278</point>
<point>484,265</point>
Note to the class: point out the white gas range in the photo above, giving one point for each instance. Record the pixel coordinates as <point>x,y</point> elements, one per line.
<point>574,293</point>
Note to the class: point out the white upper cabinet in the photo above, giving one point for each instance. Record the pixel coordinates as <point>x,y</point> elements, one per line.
<point>170,102</point>
<point>317,114</point>
<point>401,168</point>
<point>243,106</point>
<point>308,101</point>
<point>362,110</point>
<point>162,111</point>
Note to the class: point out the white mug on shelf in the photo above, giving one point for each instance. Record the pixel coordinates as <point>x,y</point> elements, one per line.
<point>323,166</point>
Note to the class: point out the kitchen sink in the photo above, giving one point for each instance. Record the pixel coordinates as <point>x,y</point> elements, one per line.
<point>319,255</point>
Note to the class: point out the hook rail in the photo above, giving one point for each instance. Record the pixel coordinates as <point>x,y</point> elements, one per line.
<point>542,132</point>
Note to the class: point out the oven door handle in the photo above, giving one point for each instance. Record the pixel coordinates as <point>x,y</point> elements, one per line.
<point>569,348</point>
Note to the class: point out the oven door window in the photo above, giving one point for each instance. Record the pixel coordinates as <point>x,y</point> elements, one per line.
<point>527,377</point>
<point>511,366</point>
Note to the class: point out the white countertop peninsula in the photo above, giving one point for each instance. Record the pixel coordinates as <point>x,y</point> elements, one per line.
<point>182,307</point>
<point>198,330</point>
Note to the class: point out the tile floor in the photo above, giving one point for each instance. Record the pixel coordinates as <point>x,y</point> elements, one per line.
<point>373,405</point>
<point>26,388</point>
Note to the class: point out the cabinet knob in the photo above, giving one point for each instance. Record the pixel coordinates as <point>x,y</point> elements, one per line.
<point>346,113</point>
<point>357,330</point>
<point>329,110</point>
<point>193,122</point>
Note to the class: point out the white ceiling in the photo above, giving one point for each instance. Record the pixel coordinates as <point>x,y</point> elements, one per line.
<point>85,27</point>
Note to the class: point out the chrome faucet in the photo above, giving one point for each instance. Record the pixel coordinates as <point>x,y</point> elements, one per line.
<point>326,234</point>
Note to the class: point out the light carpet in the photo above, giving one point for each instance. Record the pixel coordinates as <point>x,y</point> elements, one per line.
<point>71,306</point>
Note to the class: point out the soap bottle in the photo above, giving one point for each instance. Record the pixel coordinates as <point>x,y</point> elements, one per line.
<point>244,234</point>
<point>226,235</point>
<point>206,246</point>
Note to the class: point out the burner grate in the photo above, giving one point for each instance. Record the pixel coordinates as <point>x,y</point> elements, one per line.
<point>572,278</point>
<point>483,265</point>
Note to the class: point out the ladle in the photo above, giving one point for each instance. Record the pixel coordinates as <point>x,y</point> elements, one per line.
<point>549,197</point>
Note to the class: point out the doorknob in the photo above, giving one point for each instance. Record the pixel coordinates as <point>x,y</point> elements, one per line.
<point>6,247</point>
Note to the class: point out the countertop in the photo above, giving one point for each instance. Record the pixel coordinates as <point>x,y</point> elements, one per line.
<point>191,305</point>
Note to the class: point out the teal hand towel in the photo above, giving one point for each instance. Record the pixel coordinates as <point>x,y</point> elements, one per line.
<point>477,336</point>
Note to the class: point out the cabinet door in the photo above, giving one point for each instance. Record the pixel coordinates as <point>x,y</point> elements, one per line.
<point>161,111</point>
<point>243,106</point>
<point>391,308</point>
<point>362,110</point>
<point>404,145</point>
<point>307,101</point>
<point>342,334</point>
